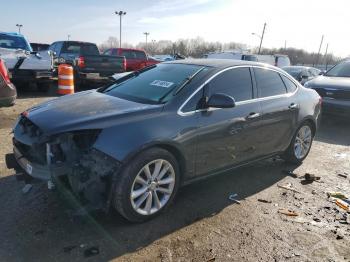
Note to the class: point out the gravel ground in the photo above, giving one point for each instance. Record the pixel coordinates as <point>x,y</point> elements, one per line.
<point>202,224</point>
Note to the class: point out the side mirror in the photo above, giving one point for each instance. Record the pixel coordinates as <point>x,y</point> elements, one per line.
<point>304,77</point>
<point>221,101</point>
<point>322,73</point>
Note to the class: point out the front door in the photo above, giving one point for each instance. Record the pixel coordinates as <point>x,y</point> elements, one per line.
<point>227,137</point>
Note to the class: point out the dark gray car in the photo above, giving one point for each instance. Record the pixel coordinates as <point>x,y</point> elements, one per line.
<point>334,88</point>
<point>302,73</point>
<point>132,144</point>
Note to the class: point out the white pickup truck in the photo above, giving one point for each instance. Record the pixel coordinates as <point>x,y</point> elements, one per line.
<point>26,66</point>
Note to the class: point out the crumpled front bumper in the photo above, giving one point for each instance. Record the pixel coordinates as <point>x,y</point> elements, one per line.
<point>35,170</point>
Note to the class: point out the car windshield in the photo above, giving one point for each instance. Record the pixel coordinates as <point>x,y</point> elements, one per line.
<point>80,48</point>
<point>340,70</point>
<point>294,72</point>
<point>13,42</point>
<point>155,85</point>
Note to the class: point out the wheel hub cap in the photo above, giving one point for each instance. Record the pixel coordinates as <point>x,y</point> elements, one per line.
<point>302,142</point>
<point>152,187</point>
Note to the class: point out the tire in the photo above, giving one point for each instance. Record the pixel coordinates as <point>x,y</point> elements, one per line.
<point>135,196</point>
<point>43,87</point>
<point>293,153</point>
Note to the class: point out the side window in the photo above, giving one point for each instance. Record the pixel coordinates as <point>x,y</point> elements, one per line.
<point>140,55</point>
<point>108,52</point>
<point>52,47</point>
<point>269,82</point>
<point>58,48</point>
<point>291,87</point>
<point>194,103</point>
<point>235,82</point>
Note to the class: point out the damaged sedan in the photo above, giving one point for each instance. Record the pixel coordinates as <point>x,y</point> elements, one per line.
<point>132,144</point>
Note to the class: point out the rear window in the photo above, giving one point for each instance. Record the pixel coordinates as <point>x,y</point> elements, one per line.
<point>269,82</point>
<point>155,85</point>
<point>14,42</point>
<point>80,48</point>
<point>134,54</point>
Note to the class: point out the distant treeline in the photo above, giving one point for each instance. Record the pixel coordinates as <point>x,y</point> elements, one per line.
<point>198,47</point>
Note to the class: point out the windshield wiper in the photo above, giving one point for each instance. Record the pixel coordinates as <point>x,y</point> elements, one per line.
<point>188,80</point>
<point>124,78</point>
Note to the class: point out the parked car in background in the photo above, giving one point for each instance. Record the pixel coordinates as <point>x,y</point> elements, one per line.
<point>231,55</point>
<point>334,87</point>
<point>39,47</point>
<point>302,73</point>
<point>134,143</point>
<point>89,65</point>
<point>8,91</point>
<point>275,60</point>
<point>136,59</point>
<point>25,65</point>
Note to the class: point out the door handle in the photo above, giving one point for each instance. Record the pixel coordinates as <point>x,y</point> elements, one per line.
<point>293,106</point>
<point>253,115</point>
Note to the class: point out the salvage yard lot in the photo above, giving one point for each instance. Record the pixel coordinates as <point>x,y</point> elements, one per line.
<point>202,225</point>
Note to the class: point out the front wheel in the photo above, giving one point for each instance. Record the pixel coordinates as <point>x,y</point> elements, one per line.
<point>147,185</point>
<point>301,143</point>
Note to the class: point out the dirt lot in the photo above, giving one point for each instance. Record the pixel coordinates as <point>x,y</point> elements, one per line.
<point>202,225</point>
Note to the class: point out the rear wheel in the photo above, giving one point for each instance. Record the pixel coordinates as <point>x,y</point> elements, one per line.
<point>147,185</point>
<point>301,143</point>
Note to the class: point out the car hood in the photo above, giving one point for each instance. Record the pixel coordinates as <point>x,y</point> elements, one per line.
<point>85,110</point>
<point>329,82</point>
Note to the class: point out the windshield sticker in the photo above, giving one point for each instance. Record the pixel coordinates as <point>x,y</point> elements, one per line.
<point>161,83</point>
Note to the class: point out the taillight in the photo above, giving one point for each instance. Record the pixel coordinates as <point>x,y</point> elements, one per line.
<point>124,64</point>
<point>81,62</point>
<point>320,101</point>
<point>4,72</point>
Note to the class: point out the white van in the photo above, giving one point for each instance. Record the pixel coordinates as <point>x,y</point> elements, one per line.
<point>232,55</point>
<point>275,60</point>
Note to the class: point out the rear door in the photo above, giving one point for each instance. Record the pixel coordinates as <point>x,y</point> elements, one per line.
<point>227,137</point>
<point>280,109</point>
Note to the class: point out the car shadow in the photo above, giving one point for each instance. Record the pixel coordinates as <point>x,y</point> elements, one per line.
<point>334,130</point>
<point>40,220</point>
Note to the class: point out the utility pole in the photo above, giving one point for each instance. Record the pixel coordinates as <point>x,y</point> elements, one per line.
<point>120,13</point>
<point>68,37</point>
<point>261,39</point>
<point>325,56</point>
<point>19,27</point>
<point>146,34</point>
<point>319,50</point>
<point>285,44</point>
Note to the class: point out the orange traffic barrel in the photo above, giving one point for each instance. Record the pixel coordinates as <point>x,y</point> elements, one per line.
<point>65,80</point>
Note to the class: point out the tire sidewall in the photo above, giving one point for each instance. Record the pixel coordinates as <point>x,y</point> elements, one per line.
<point>126,179</point>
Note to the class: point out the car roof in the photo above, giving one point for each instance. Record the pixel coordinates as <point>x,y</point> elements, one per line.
<point>11,34</point>
<point>299,67</point>
<point>220,63</point>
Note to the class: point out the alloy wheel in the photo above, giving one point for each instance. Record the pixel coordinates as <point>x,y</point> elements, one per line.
<point>302,142</point>
<point>152,187</point>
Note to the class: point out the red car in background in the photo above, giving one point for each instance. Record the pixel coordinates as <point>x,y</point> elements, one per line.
<point>136,59</point>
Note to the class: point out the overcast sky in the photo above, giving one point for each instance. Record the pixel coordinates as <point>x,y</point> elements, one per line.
<point>299,22</point>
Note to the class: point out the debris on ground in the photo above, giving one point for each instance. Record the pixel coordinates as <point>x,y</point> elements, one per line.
<point>336,195</point>
<point>344,175</point>
<point>309,178</point>
<point>264,201</point>
<point>69,248</point>
<point>232,197</point>
<point>26,188</point>
<point>92,251</point>
<point>342,204</point>
<point>288,186</point>
<point>288,212</point>
<point>290,173</point>
<point>340,155</point>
